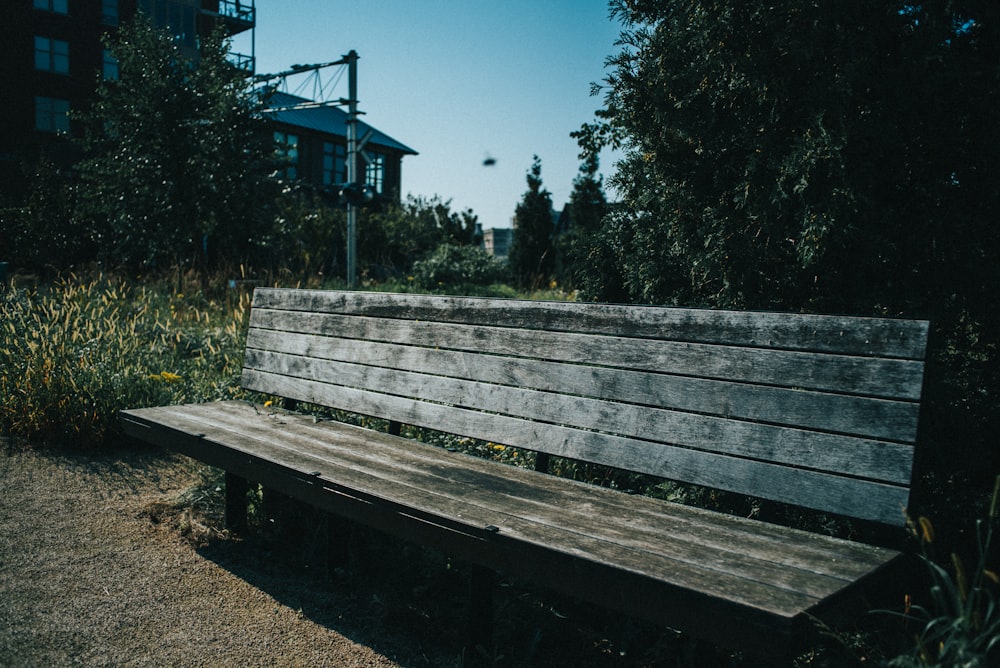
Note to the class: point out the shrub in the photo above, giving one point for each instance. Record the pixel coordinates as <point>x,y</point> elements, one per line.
<point>452,265</point>
<point>79,352</point>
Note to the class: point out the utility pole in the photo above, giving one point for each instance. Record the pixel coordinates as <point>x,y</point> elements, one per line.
<point>354,193</point>
<point>352,166</point>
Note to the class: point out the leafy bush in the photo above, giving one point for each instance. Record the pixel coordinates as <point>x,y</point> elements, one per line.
<point>452,265</point>
<point>79,352</point>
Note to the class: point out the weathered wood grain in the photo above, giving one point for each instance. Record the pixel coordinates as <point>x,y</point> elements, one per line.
<point>834,452</point>
<point>817,411</point>
<point>812,489</point>
<point>819,371</point>
<point>785,573</point>
<point>863,416</point>
<point>848,335</point>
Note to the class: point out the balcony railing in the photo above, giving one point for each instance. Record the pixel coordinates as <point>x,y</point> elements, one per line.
<point>241,10</point>
<point>243,62</point>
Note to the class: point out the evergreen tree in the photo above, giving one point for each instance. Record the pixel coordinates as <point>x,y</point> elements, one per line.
<point>532,259</point>
<point>577,242</point>
<point>178,156</point>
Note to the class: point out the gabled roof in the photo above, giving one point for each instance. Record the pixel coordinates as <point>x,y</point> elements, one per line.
<point>294,110</point>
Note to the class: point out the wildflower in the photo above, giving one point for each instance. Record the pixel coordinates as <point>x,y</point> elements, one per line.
<point>169,377</point>
<point>499,448</point>
<point>268,403</point>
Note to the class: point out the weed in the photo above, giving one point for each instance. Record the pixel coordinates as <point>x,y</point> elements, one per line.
<point>76,353</point>
<point>962,626</point>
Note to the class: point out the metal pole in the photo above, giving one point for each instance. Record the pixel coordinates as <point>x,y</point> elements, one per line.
<point>352,166</point>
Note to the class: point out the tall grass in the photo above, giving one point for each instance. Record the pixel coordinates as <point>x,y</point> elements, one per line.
<point>76,353</point>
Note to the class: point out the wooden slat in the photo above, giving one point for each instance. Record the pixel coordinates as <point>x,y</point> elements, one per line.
<point>849,496</point>
<point>836,453</point>
<point>860,416</point>
<point>644,523</point>
<point>847,335</point>
<point>817,371</point>
<point>398,472</point>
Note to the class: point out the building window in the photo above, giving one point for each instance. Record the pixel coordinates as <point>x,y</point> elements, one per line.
<point>51,55</point>
<point>51,114</point>
<point>334,164</point>
<point>109,12</point>
<point>57,6</point>
<point>375,173</point>
<point>287,150</point>
<point>109,68</point>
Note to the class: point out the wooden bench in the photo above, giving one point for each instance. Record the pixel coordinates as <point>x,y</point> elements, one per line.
<point>815,411</point>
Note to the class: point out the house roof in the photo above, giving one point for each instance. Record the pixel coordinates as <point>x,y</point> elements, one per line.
<point>294,110</point>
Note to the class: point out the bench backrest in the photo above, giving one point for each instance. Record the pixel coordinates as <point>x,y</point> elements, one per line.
<point>817,411</point>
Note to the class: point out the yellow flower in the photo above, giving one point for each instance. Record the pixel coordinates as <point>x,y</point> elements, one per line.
<point>268,403</point>
<point>167,376</point>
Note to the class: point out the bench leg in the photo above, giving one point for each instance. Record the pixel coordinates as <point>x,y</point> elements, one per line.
<point>236,503</point>
<point>481,581</point>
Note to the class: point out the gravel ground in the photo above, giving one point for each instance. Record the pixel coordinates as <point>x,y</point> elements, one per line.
<point>100,566</point>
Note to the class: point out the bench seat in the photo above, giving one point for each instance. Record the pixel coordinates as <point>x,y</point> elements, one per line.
<point>670,563</point>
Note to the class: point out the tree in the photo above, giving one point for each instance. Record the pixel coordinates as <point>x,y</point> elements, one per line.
<point>817,156</point>
<point>177,156</point>
<point>531,259</point>
<point>577,239</point>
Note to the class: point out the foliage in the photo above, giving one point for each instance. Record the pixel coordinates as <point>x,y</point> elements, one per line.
<point>391,240</point>
<point>308,237</point>
<point>532,257</point>
<point>45,230</point>
<point>177,156</point>
<point>963,626</point>
<point>580,223</point>
<point>815,156</point>
<point>457,266</point>
<point>78,352</point>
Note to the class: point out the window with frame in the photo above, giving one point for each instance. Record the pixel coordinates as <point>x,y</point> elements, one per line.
<point>109,12</point>
<point>334,164</point>
<point>51,55</point>
<point>375,172</point>
<point>51,114</point>
<point>287,152</point>
<point>56,6</point>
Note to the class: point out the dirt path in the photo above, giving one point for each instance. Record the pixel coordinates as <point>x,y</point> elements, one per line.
<point>120,560</point>
<point>91,575</point>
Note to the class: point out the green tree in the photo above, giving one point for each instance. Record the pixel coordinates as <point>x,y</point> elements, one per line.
<point>532,258</point>
<point>395,236</point>
<point>817,156</point>
<point>577,240</point>
<point>177,156</point>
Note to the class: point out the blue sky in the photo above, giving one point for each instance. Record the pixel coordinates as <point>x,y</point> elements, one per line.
<point>457,81</point>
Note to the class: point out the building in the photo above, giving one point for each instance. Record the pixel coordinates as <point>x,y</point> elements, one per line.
<point>53,55</point>
<point>497,241</point>
<point>313,140</point>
